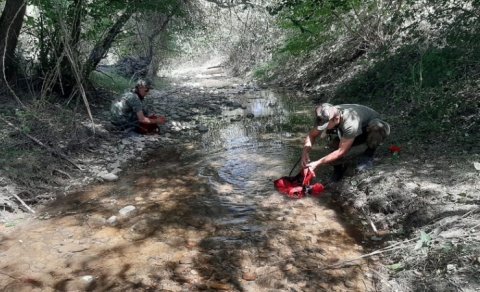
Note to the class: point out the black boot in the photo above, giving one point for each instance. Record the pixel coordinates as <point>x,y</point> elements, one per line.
<point>366,161</point>
<point>338,172</point>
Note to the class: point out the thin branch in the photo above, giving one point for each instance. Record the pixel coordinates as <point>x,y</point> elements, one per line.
<point>62,172</point>
<point>370,221</point>
<point>23,203</point>
<point>5,274</point>
<point>78,78</point>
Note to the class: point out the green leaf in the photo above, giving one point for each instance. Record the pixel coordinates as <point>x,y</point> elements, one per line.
<point>424,241</point>
<point>10,224</point>
<point>396,267</point>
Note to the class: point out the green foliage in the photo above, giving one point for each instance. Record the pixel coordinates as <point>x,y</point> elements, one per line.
<point>405,70</point>
<point>118,84</point>
<point>111,81</point>
<point>396,267</point>
<point>300,44</point>
<point>57,25</point>
<point>264,72</point>
<point>424,241</point>
<point>425,80</point>
<point>309,22</point>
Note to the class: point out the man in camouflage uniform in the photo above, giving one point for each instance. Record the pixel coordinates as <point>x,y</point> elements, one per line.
<point>130,112</point>
<point>359,132</point>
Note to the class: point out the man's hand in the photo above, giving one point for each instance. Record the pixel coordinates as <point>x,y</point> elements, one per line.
<point>313,165</point>
<point>160,120</point>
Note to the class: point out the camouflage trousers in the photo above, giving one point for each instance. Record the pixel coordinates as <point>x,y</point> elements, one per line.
<point>126,125</point>
<point>373,135</point>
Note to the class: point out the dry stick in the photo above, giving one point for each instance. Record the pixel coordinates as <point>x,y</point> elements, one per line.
<point>62,172</point>
<point>5,274</point>
<point>4,76</point>
<point>380,251</point>
<point>470,212</point>
<point>69,54</point>
<point>369,221</point>
<point>49,80</point>
<point>23,203</point>
<point>474,227</point>
<point>41,144</point>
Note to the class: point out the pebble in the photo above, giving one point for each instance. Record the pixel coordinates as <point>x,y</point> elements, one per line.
<point>108,176</point>
<point>112,221</point>
<point>127,211</point>
<point>219,286</point>
<point>287,267</point>
<point>249,276</point>
<point>349,284</point>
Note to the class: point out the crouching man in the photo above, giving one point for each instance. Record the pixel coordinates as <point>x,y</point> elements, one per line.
<point>130,112</point>
<point>359,131</point>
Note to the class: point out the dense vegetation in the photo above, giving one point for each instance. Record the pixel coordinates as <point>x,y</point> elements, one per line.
<point>417,55</point>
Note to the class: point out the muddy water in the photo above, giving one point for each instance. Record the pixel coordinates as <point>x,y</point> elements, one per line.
<point>206,218</point>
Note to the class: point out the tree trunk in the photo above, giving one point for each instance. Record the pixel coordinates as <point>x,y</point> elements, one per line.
<point>152,39</point>
<point>11,23</point>
<point>102,47</point>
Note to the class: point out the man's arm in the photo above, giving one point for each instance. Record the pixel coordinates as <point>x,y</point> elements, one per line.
<point>143,119</point>
<point>307,146</point>
<point>343,148</point>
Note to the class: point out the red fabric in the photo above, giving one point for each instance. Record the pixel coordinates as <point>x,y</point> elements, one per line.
<point>299,186</point>
<point>144,128</point>
<point>394,149</point>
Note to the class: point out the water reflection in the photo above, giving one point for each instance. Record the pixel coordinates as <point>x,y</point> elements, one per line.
<point>244,155</point>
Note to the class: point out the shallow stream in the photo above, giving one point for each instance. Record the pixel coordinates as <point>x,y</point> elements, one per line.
<point>206,218</point>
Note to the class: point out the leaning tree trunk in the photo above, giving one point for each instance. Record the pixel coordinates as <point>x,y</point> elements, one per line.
<point>11,23</point>
<point>101,48</point>
<point>151,38</point>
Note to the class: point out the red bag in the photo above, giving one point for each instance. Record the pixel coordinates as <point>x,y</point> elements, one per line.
<point>144,128</point>
<point>298,186</point>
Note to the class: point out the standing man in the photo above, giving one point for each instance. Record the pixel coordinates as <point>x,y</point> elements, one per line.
<point>359,132</point>
<point>129,111</point>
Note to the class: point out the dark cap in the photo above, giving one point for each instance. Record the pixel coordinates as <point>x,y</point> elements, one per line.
<point>144,83</point>
<point>324,113</point>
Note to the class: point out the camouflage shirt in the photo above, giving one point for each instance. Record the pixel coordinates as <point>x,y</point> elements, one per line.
<point>124,110</point>
<point>355,118</point>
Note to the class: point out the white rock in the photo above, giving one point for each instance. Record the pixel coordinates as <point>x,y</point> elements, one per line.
<point>88,279</point>
<point>116,170</point>
<point>451,268</point>
<point>108,176</point>
<point>112,221</point>
<point>127,211</point>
